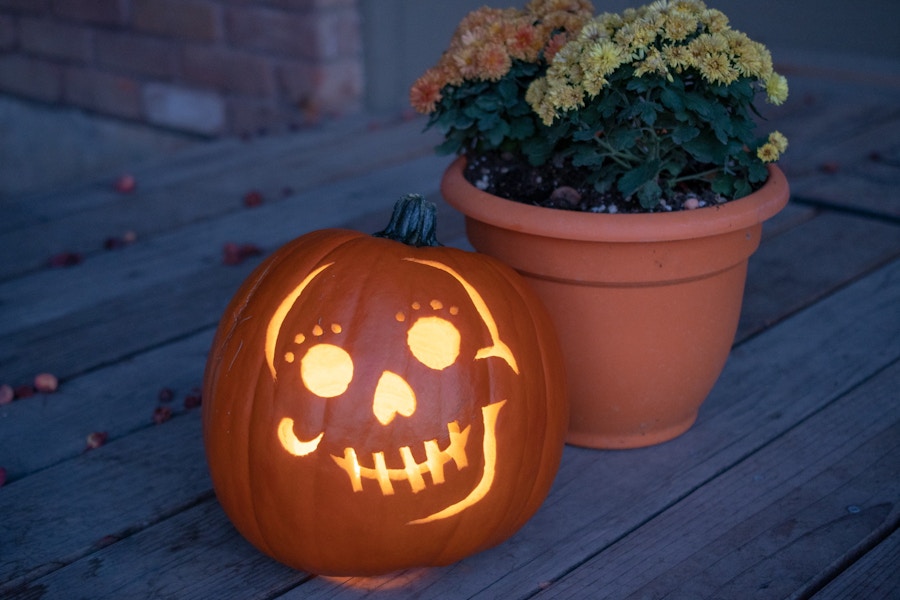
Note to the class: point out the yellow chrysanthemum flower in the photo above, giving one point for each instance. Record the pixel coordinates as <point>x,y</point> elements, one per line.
<point>767,153</point>
<point>751,58</point>
<point>776,89</point>
<point>536,92</point>
<point>777,139</point>
<point>715,20</point>
<point>565,98</point>
<point>602,58</point>
<point>654,63</point>
<point>716,68</point>
<point>678,26</point>
<point>678,57</point>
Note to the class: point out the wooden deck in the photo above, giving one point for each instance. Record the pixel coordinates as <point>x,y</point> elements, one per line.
<point>787,486</point>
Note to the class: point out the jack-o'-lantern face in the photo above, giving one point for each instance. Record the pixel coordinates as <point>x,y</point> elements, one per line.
<point>373,403</point>
<point>327,366</point>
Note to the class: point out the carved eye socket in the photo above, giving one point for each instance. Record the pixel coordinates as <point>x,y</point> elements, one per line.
<point>434,342</point>
<point>326,370</point>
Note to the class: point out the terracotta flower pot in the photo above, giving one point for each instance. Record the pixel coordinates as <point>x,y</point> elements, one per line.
<point>646,305</point>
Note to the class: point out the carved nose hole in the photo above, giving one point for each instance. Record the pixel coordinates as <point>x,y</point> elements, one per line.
<point>392,396</point>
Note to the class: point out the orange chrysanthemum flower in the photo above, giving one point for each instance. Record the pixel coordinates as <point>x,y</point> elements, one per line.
<point>493,62</point>
<point>554,45</point>
<point>524,43</point>
<point>426,92</point>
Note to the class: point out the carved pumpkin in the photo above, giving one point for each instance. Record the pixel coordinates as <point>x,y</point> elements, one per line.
<point>371,405</point>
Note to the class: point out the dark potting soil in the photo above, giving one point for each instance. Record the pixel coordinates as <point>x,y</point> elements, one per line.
<point>563,187</point>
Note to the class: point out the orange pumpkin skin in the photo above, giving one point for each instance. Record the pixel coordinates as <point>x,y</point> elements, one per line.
<point>359,486</point>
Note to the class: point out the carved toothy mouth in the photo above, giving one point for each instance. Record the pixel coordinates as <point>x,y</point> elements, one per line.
<point>434,462</point>
<point>412,471</point>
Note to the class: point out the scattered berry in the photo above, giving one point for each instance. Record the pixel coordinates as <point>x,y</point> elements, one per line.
<point>2,476</point>
<point>114,243</point>
<point>106,540</point>
<point>46,383</point>
<point>234,254</point>
<point>125,184</point>
<point>24,391</point>
<point>831,167</point>
<point>253,198</point>
<point>166,395</point>
<point>7,394</point>
<point>66,259</point>
<point>96,439</point>
<point>194,399</point>
<point>162,414</point>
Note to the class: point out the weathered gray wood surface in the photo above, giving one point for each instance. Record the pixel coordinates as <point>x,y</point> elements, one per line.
<point>787,486</point>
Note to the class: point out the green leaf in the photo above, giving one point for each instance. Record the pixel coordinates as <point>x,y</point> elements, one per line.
<point>455,119</point>
<point>488,102</point>
<point>621,138</point>
<point>521,128</point>
<point>583,135</point>
<point>649,194</point>
<point>705,148</point>
<point>757,172</point>
<point>723,184</point>
<point>638,177</point>
<point>698,104</point>
<point>537,149</point>
<point>489,121</point>
<point>684,133</point>
<point>672,100</point>
<point>497,133</point>
<point>587,157</point>
<point>508,91</point>
<point>742,188</point>
<point>448,146</point>
<point>648,112</point>
<point>720,121</point>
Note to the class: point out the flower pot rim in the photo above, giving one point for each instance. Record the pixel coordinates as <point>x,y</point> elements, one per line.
<point>734,215</point>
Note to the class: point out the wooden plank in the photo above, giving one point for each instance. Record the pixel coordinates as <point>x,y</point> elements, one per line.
<point>27,299</point>
<point>202,160</point>
<point>164,299</point>
<point>62,320</point>
<point>150,564</point>
<point>793,269</point>
<point>773,524</point>
<point>66,511</point>
<point>875,575</point>
<point>844,141</point>
<point>45,430</point>
<point>171,196</point>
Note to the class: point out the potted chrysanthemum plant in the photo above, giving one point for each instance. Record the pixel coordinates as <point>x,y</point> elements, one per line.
<point>618,166</point>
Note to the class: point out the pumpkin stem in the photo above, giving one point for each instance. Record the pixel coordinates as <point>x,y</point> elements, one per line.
<point>413,222</point>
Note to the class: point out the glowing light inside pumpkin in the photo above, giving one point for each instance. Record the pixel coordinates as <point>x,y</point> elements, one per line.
<point>489,447</point>
<point>326,370</point>
<point>392,396</point>
<point>292,443</point>
<point>497,348</point>
<point>280,315</point>
<point>412,472</point>
<point>434,342</point>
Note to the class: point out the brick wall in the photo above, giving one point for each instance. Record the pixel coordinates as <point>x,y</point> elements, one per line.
<point>210,67</point>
